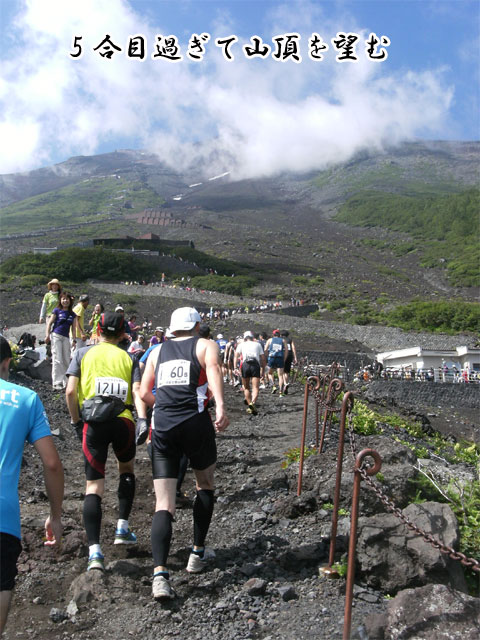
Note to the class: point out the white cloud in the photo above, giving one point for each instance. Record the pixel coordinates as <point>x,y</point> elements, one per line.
<point>255,117</point>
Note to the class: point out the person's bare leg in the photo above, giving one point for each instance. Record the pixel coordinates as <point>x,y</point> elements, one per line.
<point>5,600</point>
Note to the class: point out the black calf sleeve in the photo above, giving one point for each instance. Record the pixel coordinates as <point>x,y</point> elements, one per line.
<point>92,517</point>
<point>202,515</point>
<point>161,537</point>
<point>126,493</point>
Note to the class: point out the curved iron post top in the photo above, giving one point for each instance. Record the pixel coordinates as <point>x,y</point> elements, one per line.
<point>334,388</point>
<point>314,380</point>
<point>369,453</point>
<point>348,400</point>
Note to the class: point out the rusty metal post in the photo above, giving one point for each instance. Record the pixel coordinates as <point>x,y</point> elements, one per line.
<point>302,445</point>
<point>347,620</point>
<point>334,388</point>
<point>308,386</point>
<point>346,404</point>
<point>316,425</point>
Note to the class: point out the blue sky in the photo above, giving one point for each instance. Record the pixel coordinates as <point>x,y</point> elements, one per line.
<point>251,116</point>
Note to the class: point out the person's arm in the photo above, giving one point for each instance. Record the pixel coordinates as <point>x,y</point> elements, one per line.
<point>294,351</point>
<point>43,311</point>
<point>263,361</point>
<point>215,383</point>
<point>49,326</point>
<point>72,398</point>
<point>54,484</point>
<point>267,346</point>
<point>148,378</point>
<point>235,359</point>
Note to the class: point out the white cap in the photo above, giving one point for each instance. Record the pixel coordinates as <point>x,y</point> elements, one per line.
<point>118,308</point>
<point>220,336</point>
<point>248,334</point>
<point>184,319</point>
<point>159,329</point>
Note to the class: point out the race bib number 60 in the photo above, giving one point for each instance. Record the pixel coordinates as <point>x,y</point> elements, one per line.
<point>111,387</point>
<point>174,372</point>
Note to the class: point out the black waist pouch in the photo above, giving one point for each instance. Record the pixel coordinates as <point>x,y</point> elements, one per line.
<point>102,408</point>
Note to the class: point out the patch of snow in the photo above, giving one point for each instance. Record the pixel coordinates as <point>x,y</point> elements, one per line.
<point>222,175</point>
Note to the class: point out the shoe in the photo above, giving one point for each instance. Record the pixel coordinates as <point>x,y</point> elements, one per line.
<point>274,389</point>
<point>262,386</point>
<point>196,564</point>
<point>57,387</point>
<point>253,409</point>
<point>96,561</point>
<point>125,537</point>
<point>280,395</point>
<point>161,588</point>
<point>249,411</point>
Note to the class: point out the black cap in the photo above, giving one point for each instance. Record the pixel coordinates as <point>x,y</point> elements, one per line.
<point>111,324</point>
<point>83,298</point>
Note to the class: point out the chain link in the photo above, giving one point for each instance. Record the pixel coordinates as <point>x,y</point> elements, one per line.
<point>471,563</point>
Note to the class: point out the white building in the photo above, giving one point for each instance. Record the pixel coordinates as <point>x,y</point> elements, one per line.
<point>419,358</point>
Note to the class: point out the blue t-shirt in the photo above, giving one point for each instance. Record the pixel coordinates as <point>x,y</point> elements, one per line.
<point>222,343</point>
<point>144,358</point>
<point>22,418</point>
<point>63,321</point>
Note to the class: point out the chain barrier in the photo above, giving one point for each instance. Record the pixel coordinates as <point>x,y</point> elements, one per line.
<point>325,389</point>
<point>471,563</point>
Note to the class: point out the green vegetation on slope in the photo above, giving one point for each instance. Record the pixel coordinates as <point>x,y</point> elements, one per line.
<point>93,199</point>
<point>442,316</point>
<point>447,225</point>
<point>103,264</point>
<point>201,259</point>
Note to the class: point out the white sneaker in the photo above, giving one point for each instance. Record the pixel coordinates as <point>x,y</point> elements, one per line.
<point>196,564</point>
<point>162,589</point>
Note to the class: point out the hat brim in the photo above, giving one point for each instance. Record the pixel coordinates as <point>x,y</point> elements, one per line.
<point>186,326</point>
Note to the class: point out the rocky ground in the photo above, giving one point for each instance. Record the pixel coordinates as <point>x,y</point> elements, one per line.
<point>270,544</point>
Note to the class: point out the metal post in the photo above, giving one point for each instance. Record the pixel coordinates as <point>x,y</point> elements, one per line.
<point>347,403</point>
<point>347,621</point>
<point>302,445</point>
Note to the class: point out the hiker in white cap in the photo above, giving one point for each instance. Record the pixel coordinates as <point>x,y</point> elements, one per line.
<point>184,370</point>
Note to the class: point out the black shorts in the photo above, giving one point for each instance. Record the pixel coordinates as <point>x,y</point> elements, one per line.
<point>250,369</point>
<point>10,549</point>
<point>288,363</point>
<point>96,438</point>
<point>194,437</point>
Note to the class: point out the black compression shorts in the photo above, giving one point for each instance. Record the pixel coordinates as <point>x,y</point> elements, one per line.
<point>120,432</point>
<point>250,369</point>
<point>10,549</point>
<point>288,363</point>
<point>194,437</point>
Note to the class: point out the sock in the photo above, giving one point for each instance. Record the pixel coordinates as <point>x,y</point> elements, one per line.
<point>92,517</point>
<point>161,537</point>
<point>126,493</point>
<point>165,574</point>
<point>94,548</point>
<point>122,524</point>
<point>202,516</point>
